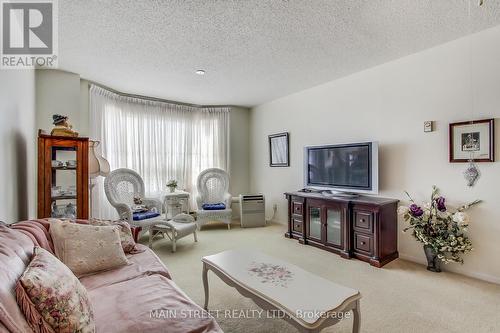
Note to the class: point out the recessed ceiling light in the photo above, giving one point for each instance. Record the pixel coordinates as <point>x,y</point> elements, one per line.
<point>200,72</point>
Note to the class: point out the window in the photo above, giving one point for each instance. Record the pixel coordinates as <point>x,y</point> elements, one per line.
<point>161,141</point>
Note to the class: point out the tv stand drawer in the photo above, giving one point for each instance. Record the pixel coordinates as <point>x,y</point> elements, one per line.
<point>297,225</point>
<point>363,243</point>
<point>363,220</point>
<point>298,208</point>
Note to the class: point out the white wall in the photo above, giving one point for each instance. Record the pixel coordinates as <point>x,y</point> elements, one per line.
<point>239,150</point>
<point>17,145</point>
<point>239,153</point>
<point>389,104</point>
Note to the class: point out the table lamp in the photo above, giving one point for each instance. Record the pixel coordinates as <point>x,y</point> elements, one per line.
<point>98,166</point>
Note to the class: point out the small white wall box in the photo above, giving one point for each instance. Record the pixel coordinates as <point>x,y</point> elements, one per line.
<point>428,126</point>
<point>252,210</point>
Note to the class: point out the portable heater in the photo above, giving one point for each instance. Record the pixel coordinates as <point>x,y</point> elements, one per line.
<point>252,210</point>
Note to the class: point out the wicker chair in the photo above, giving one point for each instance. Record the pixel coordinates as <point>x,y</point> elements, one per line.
<point>213,187</point>
<point>121,186</point>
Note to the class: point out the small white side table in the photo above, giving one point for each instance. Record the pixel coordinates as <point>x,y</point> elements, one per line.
<point>175,203</point>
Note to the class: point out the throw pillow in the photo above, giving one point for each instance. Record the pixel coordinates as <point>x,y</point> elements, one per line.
<point>86,248</point>
<point>128,243</point>
<point>52,298</point>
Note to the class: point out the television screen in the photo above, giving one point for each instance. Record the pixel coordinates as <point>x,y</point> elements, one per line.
<point>345,166</point>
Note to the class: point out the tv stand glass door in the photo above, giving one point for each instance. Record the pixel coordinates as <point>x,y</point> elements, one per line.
<point>334,225</point>
<point>315,223</point>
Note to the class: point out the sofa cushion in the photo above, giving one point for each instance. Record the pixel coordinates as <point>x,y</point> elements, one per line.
<point>141,264</point>
<point>52,298</point>
<point>16,250</point>
<point>3,329</point>
<point>38,231</point>
<point>87,249</point>
<point>130,307</point>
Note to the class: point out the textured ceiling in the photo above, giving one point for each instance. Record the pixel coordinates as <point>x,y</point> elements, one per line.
<point>253,51</point>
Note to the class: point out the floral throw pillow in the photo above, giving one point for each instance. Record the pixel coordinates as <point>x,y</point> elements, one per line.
<point>52,298</point>
<point>128,243</point>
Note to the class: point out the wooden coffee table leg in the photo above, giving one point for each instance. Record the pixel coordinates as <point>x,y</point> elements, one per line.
<point>356,311</point>
<point>205,284</point>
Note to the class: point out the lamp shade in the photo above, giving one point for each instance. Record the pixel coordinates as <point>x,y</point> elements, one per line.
<point>98,165</point>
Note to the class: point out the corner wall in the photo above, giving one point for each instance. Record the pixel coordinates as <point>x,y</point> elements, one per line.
<point>58,92</point>
<point>18,145</point>
<point>389,104</point>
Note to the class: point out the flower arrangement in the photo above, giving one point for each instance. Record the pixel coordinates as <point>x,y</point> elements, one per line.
<point>172,185</point>
<point>440,230</point>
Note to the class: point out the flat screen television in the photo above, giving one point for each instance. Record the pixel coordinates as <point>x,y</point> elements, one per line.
<point>351,168</point>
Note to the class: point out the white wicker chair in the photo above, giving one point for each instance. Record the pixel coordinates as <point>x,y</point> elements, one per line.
<point>213,187</point>
<point>121,186</point>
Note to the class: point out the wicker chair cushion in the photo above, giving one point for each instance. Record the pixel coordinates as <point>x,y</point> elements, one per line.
<point>215,206</point>
<point>145,215</point>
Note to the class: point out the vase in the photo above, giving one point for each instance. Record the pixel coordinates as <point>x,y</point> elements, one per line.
<point>433,262</point>
<point>172,189</point>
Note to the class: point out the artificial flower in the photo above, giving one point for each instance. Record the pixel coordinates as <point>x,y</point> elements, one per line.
<point>440,204</point>
<point>416,211</point>
<point>461,218</point>
<point>402,210</point>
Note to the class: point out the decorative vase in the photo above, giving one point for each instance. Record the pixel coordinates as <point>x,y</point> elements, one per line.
<point>172,189</point>
<point>433,262</point>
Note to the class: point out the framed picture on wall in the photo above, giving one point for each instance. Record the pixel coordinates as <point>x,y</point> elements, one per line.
<point>279,153</point>
<point>472,140</point>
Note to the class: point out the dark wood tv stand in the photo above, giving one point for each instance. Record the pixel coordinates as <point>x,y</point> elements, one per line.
<point>364,227</point>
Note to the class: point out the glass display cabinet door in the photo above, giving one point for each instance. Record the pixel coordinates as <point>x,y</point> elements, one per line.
<point>334,230</point>
<point>314,223</point>
<point>63,182</point>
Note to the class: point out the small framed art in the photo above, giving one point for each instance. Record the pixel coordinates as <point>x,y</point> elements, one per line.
<point>279,154</point>
<point>472,141</point>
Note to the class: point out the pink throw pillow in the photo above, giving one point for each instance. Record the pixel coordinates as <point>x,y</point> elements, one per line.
<point>52,298</point>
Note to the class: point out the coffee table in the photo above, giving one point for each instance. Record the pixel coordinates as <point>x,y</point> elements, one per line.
<point>308,302</point>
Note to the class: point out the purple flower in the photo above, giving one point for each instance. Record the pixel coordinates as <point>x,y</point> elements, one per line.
<point>416,211</point>
<point>440,204</point>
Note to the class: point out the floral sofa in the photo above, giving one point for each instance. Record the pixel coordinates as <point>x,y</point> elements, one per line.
<point>139,297</point>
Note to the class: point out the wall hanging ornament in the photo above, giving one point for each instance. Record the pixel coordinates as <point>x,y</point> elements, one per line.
<point>471,174</point>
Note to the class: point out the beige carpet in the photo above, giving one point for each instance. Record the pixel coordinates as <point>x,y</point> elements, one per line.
<point>401,297</point>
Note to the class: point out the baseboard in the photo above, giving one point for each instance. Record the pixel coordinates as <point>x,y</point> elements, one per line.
<point>479,276</point>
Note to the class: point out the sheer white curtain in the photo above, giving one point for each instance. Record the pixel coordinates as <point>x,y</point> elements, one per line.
<point>161,141</point>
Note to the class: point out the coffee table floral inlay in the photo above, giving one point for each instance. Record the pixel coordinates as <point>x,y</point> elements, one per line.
<point>271,273</point>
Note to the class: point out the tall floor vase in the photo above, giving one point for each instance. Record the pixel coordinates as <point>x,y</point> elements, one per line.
<point>433,262</point>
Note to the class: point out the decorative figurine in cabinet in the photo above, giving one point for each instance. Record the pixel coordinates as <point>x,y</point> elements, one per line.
<point>63,176</point>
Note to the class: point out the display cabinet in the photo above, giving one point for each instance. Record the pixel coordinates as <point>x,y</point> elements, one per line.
<point>63,176</point>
